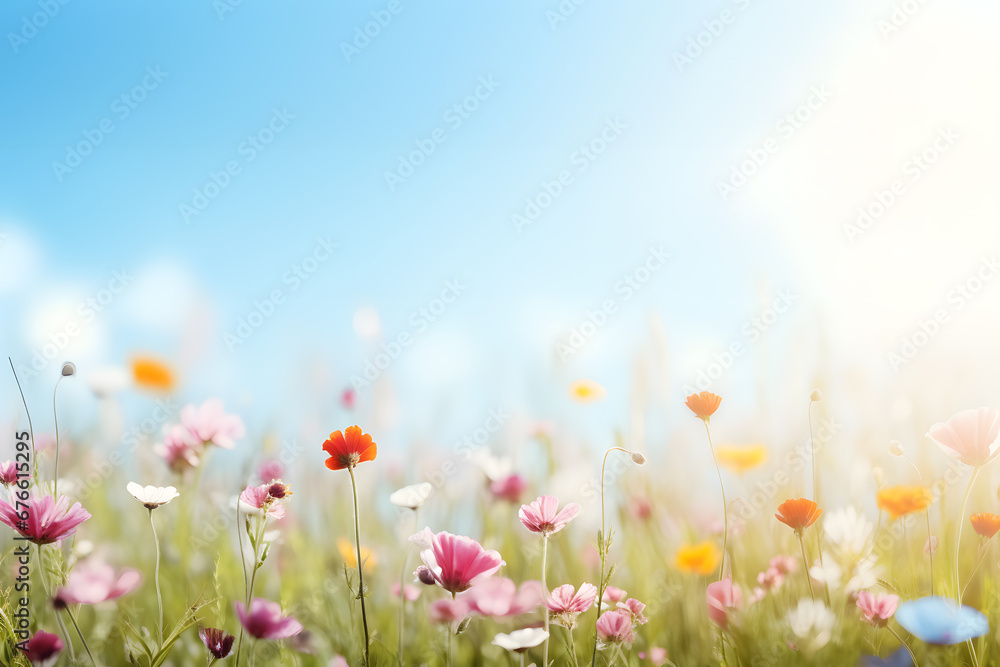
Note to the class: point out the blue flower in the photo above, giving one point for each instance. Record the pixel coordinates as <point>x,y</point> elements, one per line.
<point>938,620</point>
<point>901,658</point>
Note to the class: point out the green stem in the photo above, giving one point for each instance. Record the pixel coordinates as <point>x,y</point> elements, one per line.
<point>55,420</point>
<point>545,647</point>
<point>958,538</point>
<point>87,648</point>
<point>156,578</point>
<point>45,588</point>
<point>805,564</point>
<point>725,507</point>
<point>361,576</point>
<point>912,657</point>
<point>572,647</point>
<point>982,555</point>
<point>930,551</point>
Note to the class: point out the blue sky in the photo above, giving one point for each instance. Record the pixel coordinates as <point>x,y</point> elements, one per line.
<point>348,121</point>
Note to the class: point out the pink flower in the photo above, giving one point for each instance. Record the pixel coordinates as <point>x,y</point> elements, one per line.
<point>43,649</point>
<point>969,436</point>
<point>930,545</point>
<point>338,661</point>
<point>180,448</point>
<point>500,597</point>
<point>264,621</point>
<point>877,609</point>
<point>635,609</point>
<point>411,592</point>
<point>771,578</point>
<point>8,473</point>
<point>454,562</point>
<point>259,501</point>
<point>784,564</point>
<point>657,655</point>
<point>614,595</point>
<point>348,399</point>
<point>210,424</point>
<point>92,583</point>
<point>269,470</point>
<point>565,604</point>
<point>509,488</point>
<point>615,627</point>
<point>722,597</point>
<point>641,508</point>
<point>541,516</point>
<point>47,520</point>
<point>218,642</point>
<point>447,610</point>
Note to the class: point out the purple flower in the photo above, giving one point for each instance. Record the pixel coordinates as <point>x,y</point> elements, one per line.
<point>264,620</point>
<point>47,520</point>
<point>218,642</point>
<point>43,649</point>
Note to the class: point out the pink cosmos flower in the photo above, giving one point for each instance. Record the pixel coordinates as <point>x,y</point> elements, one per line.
<point>542,515</point>
<point>723,597</point>
<point>447,610</point>
<point>615,627</point>
<point>264,620</point>
<point>180,448</point>
<point>969,436</point>
<point>500,597</point>
<point>877,609</point>
<point>8,473</point>
<point>259,501</point>
<point>454,562</point>
<point>614,595</point>
<point>635,609</point>
<point>43,649</point>
<point>210,423</point>
<point>411,592</point>
<point>92,583</point>
<point>218,642</point>
<point>566,605</point>
<point>270,470</point>
<point>509,488</point>
<point>48,520</point>
<point>657,655</point>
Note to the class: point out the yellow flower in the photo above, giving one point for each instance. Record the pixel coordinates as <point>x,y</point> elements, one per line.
<point>698,558</point>
<point>902,500</point>
<point>150,373</point>
<point>739,459</point>
<point>348,553</point>
<point>586,391</point>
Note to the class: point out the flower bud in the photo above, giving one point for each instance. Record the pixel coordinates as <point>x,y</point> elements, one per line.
<point>68,368</point>
<point>638,458</point>
<point>425,576</point>
<point>895,448</point>
<point>816,395</point>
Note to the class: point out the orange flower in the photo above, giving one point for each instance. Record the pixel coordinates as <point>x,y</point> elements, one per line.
<point>150,373</point>
<point>740,459</point>
<point>987,525</point>
<point>703,405</point>
<point>798,514</point>
<point>698,558</point>
<point>349,448</point>
<point>902,499</point>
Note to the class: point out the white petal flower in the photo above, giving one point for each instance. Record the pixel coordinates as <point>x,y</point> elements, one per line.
<point>847,531</point>
<point>413,496</point>
<point>520,640</point>
<point>152,497</point>
<point>812,623</point>
<point>495,467</point>
<point>108,381</point>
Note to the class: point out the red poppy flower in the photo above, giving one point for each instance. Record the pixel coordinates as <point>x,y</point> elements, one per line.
<point>798,514</point>
<point>349,448</point>
<point>703,405</point>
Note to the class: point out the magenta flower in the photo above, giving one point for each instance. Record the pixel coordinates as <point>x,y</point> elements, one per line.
<point>180,448</point>
<point>877,609</point>
<point>47,520</point>
<point>270,469</point>
<point>509,488</point>
<point>566,604</point>
<point>8,473</point>
<point>615,627</point>
<point>411,593</point>
<point>210,423</point>
<point>454,562</point>
<point>218,642</point>
<point>500,597</point>
<point>93,583</point>
<point>614,595</point>
<point>447,610</point>
<point>43,649</point>
<point>635,609</point>
<point>969,436</point>
<point>722,598</point>
<point>264,621</point>
<point>260,501</point>
<point>542,515</point>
